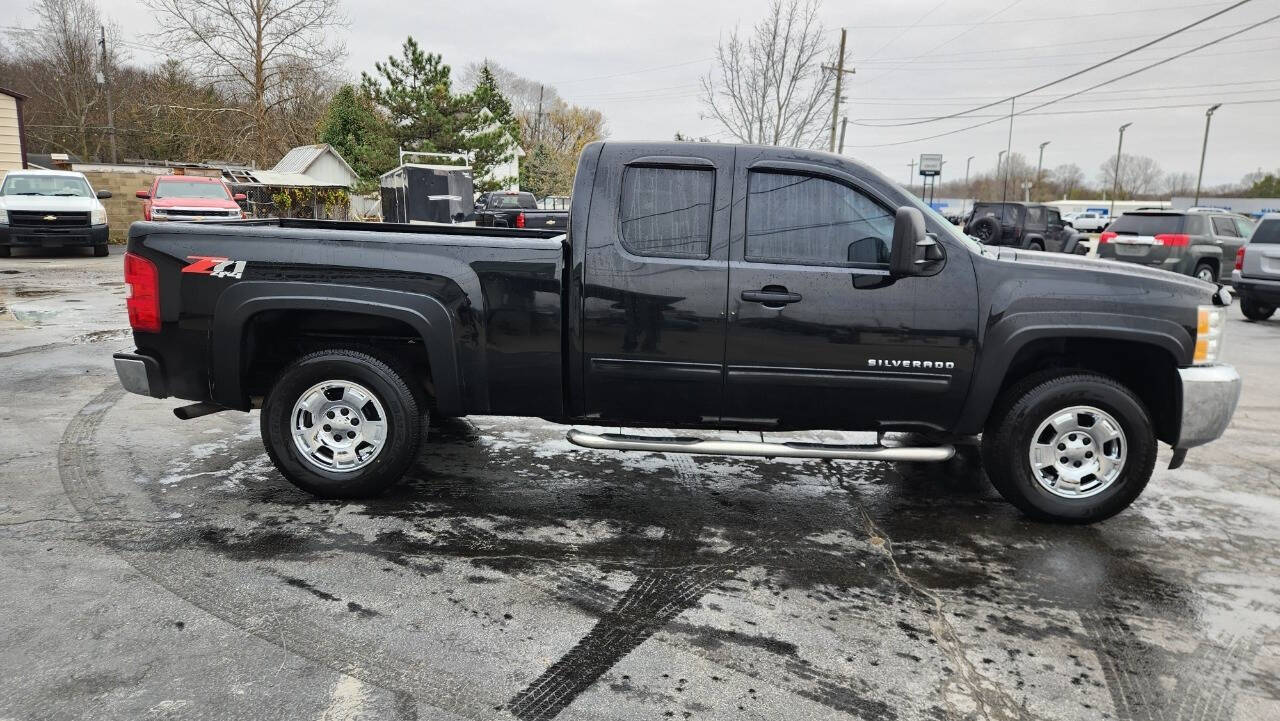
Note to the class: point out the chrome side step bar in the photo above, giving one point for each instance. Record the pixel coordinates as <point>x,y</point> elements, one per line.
<point>655,444</point>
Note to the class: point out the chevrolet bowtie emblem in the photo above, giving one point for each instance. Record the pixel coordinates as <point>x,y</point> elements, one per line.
<point>50,217</point>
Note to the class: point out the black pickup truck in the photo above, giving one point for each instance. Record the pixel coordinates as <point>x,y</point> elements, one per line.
<point>699,286</point>
<point>515,209</point>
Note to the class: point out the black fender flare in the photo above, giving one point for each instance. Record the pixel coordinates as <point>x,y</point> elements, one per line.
<point>1007,338</point>
<point>239,303</point>
<point>1029,238</point>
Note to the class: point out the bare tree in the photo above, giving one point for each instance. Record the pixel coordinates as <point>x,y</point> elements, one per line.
<point>1183,183</point>
<point>769,87</point>
<point>524,93</point>
<point>62,59</point>
<point>1069,178</point>
<point>262,52</point>
<point>1139,175</point>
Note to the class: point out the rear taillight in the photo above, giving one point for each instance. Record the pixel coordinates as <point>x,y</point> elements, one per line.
<point>1173,240</point>
<point>1240,259</point>
<point>519,220</point>
<point>1106,237</point>
<point>143,301</point>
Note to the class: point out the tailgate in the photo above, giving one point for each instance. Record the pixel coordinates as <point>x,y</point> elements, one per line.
<point>1139,248</point>
<point>1261,261</point>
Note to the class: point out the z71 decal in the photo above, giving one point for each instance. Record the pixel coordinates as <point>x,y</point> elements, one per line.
<point>215,267</point>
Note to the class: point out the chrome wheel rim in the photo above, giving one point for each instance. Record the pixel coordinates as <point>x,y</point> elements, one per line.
<point>1078,452</point>
<point>339,426</point>
<point>1206,274</point>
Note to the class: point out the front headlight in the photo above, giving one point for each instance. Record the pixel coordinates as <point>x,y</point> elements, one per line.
<point>98,217</point>
<point>158,212</point>
<point>4,217</point>
<point>1211,323</point>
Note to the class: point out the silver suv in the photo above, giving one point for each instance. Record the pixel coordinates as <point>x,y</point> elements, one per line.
<point>1257,274</point>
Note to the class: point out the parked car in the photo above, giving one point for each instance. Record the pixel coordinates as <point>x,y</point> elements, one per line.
<point>516,209</point>
<point>1088,222</point>
<point>1256,277</point>
<point>1201,244</point>
<point>51,209</point>
<point>190,197</point>
<point>700,286</point>
<point>1022,225</point>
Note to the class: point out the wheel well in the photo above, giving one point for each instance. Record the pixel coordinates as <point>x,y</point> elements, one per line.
<point>274,338</point>
<point>1147,370</point>
<point>1211,262</point>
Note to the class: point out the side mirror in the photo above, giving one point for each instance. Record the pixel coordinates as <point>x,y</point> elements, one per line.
<point>239,197</point>
<point>103,194</point>
<point>143,194</point>
<point>914,251</point>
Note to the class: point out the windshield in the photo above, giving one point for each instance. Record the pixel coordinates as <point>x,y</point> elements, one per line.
<point>191,189</point>
<point>66,185</point>
<point>1007,213</point>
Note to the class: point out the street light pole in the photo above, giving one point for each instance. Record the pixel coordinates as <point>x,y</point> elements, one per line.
<point>1115,181</point>
<point>1000,160</point>
<point>967,190</point>
<point>1208,116</point>
<point>912,172</point>
<point>1040,162</point>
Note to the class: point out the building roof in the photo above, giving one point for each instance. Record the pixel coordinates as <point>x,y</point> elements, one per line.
<point>291,180</point>
<point>301,158</point>
<point>12,93</point>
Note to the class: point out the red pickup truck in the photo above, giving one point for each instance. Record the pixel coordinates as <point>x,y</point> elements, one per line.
<point>189,197</point>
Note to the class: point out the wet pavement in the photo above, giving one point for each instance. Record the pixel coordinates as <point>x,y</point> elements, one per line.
<point>162,569</point>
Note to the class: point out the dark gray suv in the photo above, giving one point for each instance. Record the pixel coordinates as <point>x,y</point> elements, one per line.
<point>1198,243</point>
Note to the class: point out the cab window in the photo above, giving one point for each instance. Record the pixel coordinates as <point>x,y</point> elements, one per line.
<point>809,220</point>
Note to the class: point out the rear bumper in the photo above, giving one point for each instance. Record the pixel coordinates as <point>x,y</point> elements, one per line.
<point>1209,397</point>
<point>1266,292</point>
<point>141,374</point>
<point>22,237</point>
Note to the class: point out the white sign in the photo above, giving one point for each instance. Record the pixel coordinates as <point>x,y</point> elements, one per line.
<point>931,164</point>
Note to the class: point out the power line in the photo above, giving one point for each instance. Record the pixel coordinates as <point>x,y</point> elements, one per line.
<point>1088,111</point>
<point>1096,65</point>
<point>1079,92</point>
<point>906,29</point>
<point>1164,8</point>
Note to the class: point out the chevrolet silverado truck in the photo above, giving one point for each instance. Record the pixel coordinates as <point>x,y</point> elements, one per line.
<point>51,209</point>
<point>699,286</point>
<point>513,209</point>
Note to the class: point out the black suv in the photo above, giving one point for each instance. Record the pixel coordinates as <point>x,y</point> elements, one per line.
<point>1022,225</point>
<point>1198,243</point>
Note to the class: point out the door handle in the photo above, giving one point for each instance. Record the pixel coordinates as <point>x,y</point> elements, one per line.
<point>771,296</point>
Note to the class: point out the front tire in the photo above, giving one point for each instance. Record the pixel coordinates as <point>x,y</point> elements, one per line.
<point>1073,447</point>
<point>100,251</point>
<point>341,423</point>
<point>1253,310</point>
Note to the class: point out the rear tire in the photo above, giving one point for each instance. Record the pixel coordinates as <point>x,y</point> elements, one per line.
<point>1047,413</point>
<point>986,230</point>
<point>1253,310</point>
<point>1035,245</point>
<point>351,388</point>
<point>100,251</point>
<point>1205,272</point>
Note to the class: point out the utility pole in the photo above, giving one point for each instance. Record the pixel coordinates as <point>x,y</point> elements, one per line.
<point>106,83</point>
<point>1039,165</point>
<point>1208,116</point>
<point>844,125</point>
<point>1115,181</point>
<point>537,123</point>
<point>912,172</point>
<point>839,71</point>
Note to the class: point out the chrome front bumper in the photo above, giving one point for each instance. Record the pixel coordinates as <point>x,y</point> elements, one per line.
<point>1209,397</point>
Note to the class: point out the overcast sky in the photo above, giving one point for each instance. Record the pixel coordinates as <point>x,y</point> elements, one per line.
<point>640,62</point>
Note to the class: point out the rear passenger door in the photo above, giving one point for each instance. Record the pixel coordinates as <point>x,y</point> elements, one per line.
<point>1226,234</point>
<point>654,284</point>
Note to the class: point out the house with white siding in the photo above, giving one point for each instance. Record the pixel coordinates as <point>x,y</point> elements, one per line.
<point>321,163</point>
<point>13,147</point>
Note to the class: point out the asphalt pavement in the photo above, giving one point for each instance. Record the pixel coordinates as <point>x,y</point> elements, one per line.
<point>155,568</point>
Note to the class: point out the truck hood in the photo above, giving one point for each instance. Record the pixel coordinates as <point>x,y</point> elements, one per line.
<point>50,203</point>
<point>223,203</point>
<point>1130,273</point>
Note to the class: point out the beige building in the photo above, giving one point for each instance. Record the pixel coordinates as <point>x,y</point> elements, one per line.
<point>13,148</point>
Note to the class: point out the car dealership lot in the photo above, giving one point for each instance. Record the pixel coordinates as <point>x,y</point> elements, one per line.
<point>157,568</point>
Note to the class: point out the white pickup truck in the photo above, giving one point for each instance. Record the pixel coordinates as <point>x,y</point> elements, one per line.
<point>1088,222</point>
<point>51,209</point>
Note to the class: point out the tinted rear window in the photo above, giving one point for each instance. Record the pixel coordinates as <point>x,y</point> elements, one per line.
<point>1134,224</point>
<point>1268,231</point>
